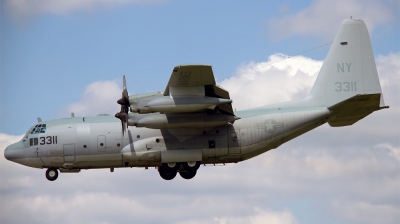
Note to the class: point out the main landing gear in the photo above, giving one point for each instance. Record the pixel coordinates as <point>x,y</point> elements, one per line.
<point>187,170</point>
<point>51,174</point>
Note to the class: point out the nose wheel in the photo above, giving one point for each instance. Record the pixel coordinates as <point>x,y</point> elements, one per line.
<point>51,174</point>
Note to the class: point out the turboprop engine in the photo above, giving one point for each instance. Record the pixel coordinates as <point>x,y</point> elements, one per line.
<point>178,120</point>
<point>156,102</point>
<point>139,102</point>
<point>195,106</point>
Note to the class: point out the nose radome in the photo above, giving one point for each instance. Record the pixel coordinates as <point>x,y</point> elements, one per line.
<point>14,151</point>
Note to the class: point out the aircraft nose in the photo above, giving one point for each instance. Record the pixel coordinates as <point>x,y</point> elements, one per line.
<point>14,151</point>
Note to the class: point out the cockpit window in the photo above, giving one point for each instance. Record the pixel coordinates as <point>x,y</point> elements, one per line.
<point>27,133</point>
<point>43,128</point>
<point>39,128</point>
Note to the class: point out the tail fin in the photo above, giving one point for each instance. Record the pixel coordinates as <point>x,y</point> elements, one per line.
<point>348,71</point>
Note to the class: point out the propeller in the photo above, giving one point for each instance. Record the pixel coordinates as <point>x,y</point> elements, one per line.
<point>124,102</point>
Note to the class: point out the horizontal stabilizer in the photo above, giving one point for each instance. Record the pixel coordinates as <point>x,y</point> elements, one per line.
<point>354,109</point>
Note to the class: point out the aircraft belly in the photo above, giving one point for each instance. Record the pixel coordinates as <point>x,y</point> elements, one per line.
<point>31,162</point>
<point>98,161</point>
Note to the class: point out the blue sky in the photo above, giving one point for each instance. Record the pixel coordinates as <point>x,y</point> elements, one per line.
<point>59,57</point>
<point>48,59</point>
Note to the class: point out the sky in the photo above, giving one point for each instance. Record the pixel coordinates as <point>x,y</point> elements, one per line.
<point>65,56</point>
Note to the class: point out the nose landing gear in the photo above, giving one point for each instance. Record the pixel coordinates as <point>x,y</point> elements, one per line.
<point>51,174</point>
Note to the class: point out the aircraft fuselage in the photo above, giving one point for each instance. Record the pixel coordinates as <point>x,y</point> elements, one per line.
<point>97,142</point>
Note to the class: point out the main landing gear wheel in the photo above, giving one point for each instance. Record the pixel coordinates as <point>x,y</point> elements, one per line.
<point>166,174</point>
<point>187,174</point>
<point>171,167</point>
<point>51,174</point>
<point>191,166</point>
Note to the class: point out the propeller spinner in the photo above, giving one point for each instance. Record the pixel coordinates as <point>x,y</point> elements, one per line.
<point>124,102</point>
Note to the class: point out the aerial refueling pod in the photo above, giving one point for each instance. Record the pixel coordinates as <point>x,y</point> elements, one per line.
<point>177,120</point>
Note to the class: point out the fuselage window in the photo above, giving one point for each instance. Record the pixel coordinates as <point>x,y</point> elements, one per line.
<point>211,144</point>
<point>234,136</point>
<point>33,141</point>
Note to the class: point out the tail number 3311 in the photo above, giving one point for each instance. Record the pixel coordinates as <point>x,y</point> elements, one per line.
<point>345,86</point>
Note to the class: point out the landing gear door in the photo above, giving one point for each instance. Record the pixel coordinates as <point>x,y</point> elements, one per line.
<point>233,140</point>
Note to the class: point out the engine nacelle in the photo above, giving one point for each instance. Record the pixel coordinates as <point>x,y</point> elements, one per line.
<point>167,121</point>
<point>139,102</point>
<point>184,104</point>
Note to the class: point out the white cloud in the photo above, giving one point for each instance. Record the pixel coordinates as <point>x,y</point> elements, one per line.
<point>98,97</point>
<point>320,18</point>
<point>364,212</point>
<point>290,79</point>
<point>258,84</point>
<point>261,217</point>
<point>393,151</point>
<point>388,67</point>
<point>6,139</point>
<point>23,9</point>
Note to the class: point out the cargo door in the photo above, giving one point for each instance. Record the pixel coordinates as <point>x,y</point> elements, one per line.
<point>69,152</point>
<point>233,141</point>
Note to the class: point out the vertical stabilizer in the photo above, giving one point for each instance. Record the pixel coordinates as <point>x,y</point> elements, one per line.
<point>349,69</point>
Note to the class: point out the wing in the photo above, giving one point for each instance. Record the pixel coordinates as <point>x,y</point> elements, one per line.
<point>191,100</point>
<point>197,81</point>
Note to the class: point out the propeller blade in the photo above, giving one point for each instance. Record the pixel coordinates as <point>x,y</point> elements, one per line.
<point>124,102</point>
<point>124,82</point>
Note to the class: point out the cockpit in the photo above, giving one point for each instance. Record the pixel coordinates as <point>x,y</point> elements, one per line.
<point>37,129</point>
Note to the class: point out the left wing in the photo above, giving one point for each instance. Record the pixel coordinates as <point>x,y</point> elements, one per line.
<point>191,99</point>
<point>196,85</point>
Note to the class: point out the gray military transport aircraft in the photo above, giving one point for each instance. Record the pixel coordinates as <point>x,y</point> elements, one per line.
<point>192,121</point>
